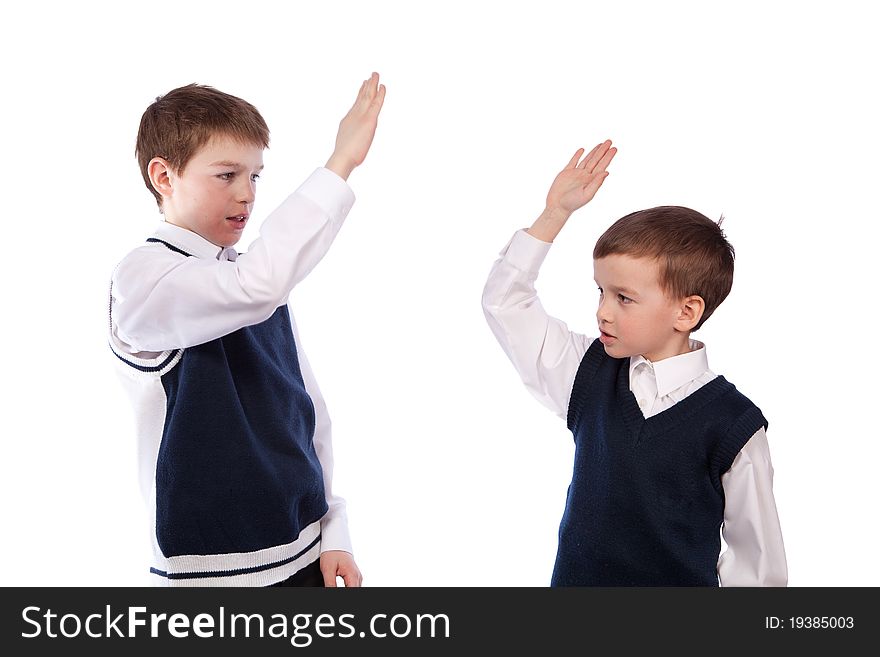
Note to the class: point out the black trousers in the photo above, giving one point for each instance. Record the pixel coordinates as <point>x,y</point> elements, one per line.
<point>308,576</point>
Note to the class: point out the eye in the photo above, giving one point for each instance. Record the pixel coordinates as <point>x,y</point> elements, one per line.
<point>624,299</point>
<point>227,176</point>
<point>600,291</point>
<point>255,177</point>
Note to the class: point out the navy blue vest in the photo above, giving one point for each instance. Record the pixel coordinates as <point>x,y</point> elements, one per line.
<point>237,469</point>
<point>645,504</point>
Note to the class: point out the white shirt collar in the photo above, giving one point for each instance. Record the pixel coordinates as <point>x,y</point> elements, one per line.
<point>674,372</point>
<point>192,243</point>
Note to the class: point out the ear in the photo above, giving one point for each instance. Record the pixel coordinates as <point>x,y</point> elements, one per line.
<point>160,173</point>
<point>690,312</point>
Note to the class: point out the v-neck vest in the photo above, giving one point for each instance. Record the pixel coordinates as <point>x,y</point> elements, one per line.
<point>645,504</point>
<point>237,470</point>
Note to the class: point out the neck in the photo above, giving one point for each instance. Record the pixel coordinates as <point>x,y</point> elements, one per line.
<point>676,347</point>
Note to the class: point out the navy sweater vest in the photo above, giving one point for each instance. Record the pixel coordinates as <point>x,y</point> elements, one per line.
<point>237,469</point>
<point>645,504</point>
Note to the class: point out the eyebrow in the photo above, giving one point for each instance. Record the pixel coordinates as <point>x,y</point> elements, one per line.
<point>622,290</point>
<point>231,164</point>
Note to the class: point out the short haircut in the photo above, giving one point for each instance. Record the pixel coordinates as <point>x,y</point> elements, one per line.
<point>179,123</point>
<point>691,249</point>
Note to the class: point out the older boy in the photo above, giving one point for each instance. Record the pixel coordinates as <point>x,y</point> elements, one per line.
<point>233,435</point>
<point>666,452</point>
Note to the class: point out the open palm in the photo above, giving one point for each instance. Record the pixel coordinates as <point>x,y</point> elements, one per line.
<point>579,181</point>
<point>357,128</point>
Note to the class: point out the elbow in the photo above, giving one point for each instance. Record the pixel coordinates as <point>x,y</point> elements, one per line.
<point>260,289</point>
<point>489,302</point>
<point>127,327</point>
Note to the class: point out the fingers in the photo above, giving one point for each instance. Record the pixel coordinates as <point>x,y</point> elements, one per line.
<point>371,95</point>
<point>591,162</point>
<point>362,95</point>
<point>365,94</point>
<point>370,86</point>
<point>351,576</point>
<point>583,163</point>
<point>339,564</point>
<point>574,160</point>
<point>605,160</point>
<point>379,99</point>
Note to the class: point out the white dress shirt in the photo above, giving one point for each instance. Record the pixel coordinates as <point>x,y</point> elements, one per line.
<point>161,301</point>
<point>546,354</point>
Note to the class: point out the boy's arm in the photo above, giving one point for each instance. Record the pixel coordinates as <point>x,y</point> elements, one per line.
<point>163,301</point>
<point>573,188</point>
<point>755,554</point>
<point>545,353</point>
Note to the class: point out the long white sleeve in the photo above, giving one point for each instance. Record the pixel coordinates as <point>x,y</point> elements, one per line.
<point>755,554</point>
<point>545,353</point>
<point>161,301</point>
<point>334,524</point>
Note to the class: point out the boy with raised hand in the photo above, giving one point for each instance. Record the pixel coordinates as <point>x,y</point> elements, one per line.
<point>666,452</point>
<point>233,434</point>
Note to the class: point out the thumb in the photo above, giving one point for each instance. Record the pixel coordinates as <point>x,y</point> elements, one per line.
<point>329,573</point>
<point>589,190</point>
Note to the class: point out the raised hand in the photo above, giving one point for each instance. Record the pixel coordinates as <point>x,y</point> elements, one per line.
<point>357,128</point>
<point>579,181</point>
<point>573,188</point>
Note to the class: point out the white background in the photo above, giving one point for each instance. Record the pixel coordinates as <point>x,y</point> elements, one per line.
<point>454,475</point>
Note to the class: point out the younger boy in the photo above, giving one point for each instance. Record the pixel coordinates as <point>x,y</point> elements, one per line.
<point>666,452</point>
<point>233,434</point>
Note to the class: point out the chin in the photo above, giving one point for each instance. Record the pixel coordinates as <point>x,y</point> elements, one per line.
<point>228,242</point>
<point>616,351</point>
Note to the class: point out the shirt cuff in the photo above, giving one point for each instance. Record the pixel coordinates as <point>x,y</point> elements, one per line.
<point>334,534</point>
<point>328,191</point>
<point>525,252</point>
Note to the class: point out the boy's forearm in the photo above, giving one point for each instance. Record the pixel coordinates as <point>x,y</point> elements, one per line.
<point>548,225</point>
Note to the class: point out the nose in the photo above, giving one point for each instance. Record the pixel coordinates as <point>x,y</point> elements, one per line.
<point>247,192</point>
<point>603,312</point>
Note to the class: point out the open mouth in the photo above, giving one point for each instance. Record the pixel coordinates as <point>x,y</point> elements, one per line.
<point>238,219</point>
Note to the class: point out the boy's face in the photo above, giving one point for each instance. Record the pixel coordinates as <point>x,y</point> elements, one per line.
<point>215,193</point>
<point>635,315</point>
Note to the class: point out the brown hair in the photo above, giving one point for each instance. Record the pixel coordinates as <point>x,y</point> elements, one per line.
<point>179,123</point>
<point>691,249</point>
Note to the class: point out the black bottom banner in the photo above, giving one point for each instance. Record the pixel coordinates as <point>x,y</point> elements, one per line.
<point>429,621</point>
